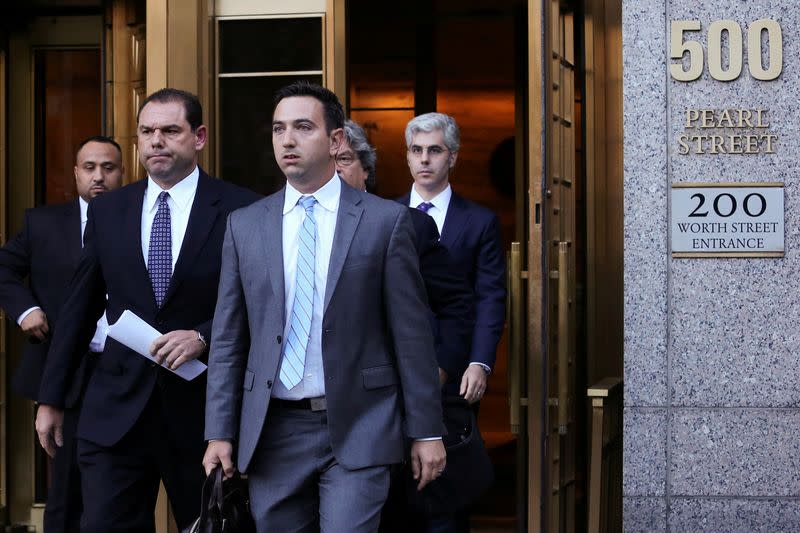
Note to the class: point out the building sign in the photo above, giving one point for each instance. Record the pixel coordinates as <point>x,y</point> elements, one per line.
<point>726,131</point>
<point>734,130</point>
<point>727,220</point>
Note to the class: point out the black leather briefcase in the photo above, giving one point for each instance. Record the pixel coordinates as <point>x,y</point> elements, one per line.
<point>225,506</point>
<point>468,473</point>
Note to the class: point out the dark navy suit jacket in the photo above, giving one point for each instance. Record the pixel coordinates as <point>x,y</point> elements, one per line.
<point>46,252</point>
<point>471,233</point>
<point>449,297</point>
<point>112,263</point>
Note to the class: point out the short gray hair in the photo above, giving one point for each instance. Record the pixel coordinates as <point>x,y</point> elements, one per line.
<point>357,139</point>
<point>435,121</point>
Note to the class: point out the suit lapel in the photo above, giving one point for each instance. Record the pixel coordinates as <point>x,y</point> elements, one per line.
<point>454,223</point>
<point>202,218</point>
<point>73,229</point>
<point>271,228</point>
<point>347,220</point>
<point>132,238</point>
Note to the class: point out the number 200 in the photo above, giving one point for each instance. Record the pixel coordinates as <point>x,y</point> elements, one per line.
<point>735,52</point>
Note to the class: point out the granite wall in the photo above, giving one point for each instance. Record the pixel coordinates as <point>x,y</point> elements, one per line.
<point>712,358</point>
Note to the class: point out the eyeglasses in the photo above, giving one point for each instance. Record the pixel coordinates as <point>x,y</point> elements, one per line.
<point>346,159</point>
<point>433,151</point>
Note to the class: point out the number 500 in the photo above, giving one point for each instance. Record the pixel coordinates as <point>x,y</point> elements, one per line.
<point>735,52</point>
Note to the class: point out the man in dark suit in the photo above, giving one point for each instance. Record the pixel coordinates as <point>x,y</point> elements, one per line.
<point>471,233</point>
<point>153,248</point>
<point>320,340</point>
<point>46,252</point>
<point>449,295</point>
<point>449,299</point>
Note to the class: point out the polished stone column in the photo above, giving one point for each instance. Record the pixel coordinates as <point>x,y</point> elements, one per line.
<point>712,346</point>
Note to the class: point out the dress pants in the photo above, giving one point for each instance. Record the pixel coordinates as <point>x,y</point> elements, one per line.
<point>296,484</point>
<point>62,513</point>
<point>120,482</point>
<point>398,517</point>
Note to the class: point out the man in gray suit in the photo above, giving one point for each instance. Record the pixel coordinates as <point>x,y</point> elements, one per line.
<point>321,353</point>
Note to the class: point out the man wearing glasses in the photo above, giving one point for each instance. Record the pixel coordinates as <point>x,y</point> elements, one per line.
<point>472,235</point>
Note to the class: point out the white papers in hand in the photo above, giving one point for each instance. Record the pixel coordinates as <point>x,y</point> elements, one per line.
<point>138,335</point>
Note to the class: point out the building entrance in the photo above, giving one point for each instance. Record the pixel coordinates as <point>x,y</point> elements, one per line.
<point>535,89</point>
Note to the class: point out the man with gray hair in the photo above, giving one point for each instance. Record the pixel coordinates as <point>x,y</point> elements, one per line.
<point>449,298</point>
<point>449,294</point>
<point>470,232</point>
<point>355,161</point>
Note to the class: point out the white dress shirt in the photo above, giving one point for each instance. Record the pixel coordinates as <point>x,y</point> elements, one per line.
<point>98,341</point>
<point>181,198</point>
<point>438,213</point>
<point>440,204</point>
<point>325,210</point>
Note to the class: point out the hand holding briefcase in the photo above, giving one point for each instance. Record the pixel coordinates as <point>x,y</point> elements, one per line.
<point>225,506</point>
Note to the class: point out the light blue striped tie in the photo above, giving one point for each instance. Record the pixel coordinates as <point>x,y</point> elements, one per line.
<point>294,355</point>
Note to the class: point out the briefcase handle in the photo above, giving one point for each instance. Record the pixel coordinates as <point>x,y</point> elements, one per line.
<point>210,498</point>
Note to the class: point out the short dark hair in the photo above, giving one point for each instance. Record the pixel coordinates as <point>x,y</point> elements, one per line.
<point>99,139</point>
<point>191,104</point>
<point>334,112</point>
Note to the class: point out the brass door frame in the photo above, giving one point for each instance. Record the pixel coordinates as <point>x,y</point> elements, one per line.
<point>602,145</point>
<point>551,267</point>
<point>3,352</point>
<point>19,194</point>
<point>535,294</point>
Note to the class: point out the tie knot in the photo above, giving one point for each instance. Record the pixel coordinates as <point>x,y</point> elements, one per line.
<point>425,206</point>
<point>162,197</point>
<point>307,202</point>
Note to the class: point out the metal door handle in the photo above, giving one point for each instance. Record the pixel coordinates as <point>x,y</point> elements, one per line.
<point>514,313</point>
<point>563,336</point>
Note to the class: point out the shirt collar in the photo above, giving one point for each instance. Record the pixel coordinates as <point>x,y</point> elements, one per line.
<point>327,196</point>
<point>84,205</point>
<point>181,193</point>
<point>440,201</point>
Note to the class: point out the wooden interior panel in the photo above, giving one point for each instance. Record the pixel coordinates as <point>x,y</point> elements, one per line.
<point>69,106</point>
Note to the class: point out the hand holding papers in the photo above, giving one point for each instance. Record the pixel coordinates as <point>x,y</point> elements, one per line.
<point>138,335</point>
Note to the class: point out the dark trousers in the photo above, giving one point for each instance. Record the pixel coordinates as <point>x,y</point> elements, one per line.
<point>398,517</point>
<point>120,482</point>
<point>62,514</point>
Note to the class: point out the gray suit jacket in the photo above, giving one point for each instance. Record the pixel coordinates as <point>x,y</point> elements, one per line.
<point>377,346</point>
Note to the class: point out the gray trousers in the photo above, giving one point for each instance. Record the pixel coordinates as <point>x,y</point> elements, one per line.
<point>296,484</point>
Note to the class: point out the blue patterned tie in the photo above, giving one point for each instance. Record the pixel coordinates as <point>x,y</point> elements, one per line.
<point>294,356</point>
<point>425,206</point>
<point>159,254</point>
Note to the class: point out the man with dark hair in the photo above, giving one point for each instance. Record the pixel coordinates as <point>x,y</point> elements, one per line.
<point>46,252</point>
<point>320,344</point>
<point>191,105</point>
<point>153,248</point>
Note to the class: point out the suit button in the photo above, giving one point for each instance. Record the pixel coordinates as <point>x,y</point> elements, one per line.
<point>269,384</point>
<point>328,330</point>
<point>279,339</point>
